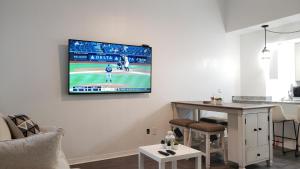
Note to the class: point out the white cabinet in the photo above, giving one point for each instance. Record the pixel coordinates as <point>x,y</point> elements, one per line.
<point>263,129</point>
<point>257,137</point>
<point>257,154</point>
<point>251,130</point>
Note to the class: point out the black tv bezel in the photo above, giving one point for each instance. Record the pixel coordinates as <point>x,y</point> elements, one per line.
<point>96,93</point>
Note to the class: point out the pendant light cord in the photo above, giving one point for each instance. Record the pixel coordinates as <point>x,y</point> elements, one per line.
<point>265,50</point>
<point>297,31</point>
<point>265,36</point>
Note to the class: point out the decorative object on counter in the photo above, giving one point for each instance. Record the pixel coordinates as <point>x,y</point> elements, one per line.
<point>207,102</point>
<point>216,100</point>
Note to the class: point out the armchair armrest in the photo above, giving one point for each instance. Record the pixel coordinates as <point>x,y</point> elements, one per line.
<point>45,129</point>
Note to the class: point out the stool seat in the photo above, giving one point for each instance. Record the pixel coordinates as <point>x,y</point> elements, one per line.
<point>207,127</point>
<point>181,122</point>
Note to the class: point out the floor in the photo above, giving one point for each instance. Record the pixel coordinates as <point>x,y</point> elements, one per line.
<point>288,161</point>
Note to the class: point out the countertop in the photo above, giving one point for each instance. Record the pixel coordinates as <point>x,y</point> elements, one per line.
<point>264,100</point>
<point>267,101</point>
<point>238,106</point>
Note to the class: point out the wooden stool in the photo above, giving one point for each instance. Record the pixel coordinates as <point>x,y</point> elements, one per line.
<point>216,120</point>
<point>209,129</point>
<point>182,124</point>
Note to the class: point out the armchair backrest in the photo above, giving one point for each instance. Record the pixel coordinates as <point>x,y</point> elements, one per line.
<point>278,114</point>
<point>4,130</point>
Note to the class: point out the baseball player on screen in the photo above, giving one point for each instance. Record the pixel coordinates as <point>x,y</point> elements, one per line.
<point>126,63</point>
<point>108,70</point>
<point>120,65</point>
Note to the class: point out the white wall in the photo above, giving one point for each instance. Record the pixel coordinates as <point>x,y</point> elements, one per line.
<point>253,81</point>
<point>297,61</point>
<point>245,13</point>
<point>192,58</point>
<point>252,75</point>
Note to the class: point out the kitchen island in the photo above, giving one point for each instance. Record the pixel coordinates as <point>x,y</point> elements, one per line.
<point>249,129</point>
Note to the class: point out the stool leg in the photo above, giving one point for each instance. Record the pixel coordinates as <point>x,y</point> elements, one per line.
<point>207,151</point>
<point>282,138</point>
<point>185,136</point>
<point>274,134</point>
<point>296,136</point>
<point>172,128</point>
<point>223,147</point>
<point>190,138</point>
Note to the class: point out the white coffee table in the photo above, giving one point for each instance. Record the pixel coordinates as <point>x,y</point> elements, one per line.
<point>183,152</point>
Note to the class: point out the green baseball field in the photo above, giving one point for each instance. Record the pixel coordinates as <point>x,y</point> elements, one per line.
<point>94,74</point>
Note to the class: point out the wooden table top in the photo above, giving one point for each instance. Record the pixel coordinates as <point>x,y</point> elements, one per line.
<point>238,106</point>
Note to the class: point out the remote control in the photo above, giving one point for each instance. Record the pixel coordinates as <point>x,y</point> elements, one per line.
<point>171,152</point>
<point>163,153</point>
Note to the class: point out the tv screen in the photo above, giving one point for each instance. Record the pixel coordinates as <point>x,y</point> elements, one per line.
<point>98,67</point>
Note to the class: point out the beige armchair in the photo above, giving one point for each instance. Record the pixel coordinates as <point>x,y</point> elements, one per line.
<point>38,151</point>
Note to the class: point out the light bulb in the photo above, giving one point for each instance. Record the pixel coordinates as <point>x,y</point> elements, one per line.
<point>266,54</point>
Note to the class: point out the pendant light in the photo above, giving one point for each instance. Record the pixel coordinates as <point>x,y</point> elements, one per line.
<point>266,52</point>
<point>265,48</point>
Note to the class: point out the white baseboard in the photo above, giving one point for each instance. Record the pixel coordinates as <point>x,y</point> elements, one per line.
<point>80,160</point>
<point>100,157</point>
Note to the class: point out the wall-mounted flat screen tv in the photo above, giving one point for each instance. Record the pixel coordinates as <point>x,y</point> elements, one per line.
<point>98,67</point>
